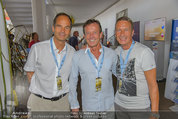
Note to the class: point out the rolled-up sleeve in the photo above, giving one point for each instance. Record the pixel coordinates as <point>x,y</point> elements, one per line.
<point>73,80</point>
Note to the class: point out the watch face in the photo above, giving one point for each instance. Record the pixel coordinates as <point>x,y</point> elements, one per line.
<point>156,115</point>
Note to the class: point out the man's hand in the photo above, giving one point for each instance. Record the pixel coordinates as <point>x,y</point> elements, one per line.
<point>153,89</point>
<point>75,113</point>
<point>75,110</point>
<point>29,76</point>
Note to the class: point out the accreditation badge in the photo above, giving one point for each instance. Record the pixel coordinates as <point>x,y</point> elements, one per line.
<point>120,85</point>
<point>98,84</point>
<point>59,82</point>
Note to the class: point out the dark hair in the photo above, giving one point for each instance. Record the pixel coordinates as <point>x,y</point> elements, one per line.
<point>125,18</point>
<point>91,21</point>
<point>75,32</point>
<point>62,14</point>
<point>33,34</point>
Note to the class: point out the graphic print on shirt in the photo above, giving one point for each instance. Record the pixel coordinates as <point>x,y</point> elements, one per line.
<point>128,87</point>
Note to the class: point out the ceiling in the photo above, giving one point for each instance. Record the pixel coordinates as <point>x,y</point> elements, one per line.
<point>20,11</point>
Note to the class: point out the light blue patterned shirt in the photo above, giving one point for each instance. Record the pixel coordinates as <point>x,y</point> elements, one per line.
<point>92,100</point>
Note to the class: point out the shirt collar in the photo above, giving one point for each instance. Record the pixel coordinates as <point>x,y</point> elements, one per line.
<point>56,50</point>
<point>99,49</point>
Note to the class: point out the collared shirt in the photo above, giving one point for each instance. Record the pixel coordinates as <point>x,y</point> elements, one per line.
<point>100,50</point>
<point>59,57</point>
<point>42,63</point>
<point>91,100</point>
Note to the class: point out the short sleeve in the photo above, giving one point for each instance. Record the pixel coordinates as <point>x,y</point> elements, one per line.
<point>148,60</point>
<point>31,60</point>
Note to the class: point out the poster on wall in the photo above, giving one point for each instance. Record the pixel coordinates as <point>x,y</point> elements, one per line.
<point>171,87</point>
<point>136,35</point>
<point>122,13</point>
<point>155,29</point>
<point>174,40</point>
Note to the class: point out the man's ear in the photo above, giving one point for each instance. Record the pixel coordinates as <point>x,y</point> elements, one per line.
<point>101,35</point>
<point>133,33</point>
<point>53,28</point>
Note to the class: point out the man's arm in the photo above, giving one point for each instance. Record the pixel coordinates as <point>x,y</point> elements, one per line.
<point>81,40</point>
<point>76,44</point>
<point>29,76</point>
<point>153,89</point>
<point>114,65</point>
<point>31,62</point>
<point>76,47</point>
<point>73,80</point>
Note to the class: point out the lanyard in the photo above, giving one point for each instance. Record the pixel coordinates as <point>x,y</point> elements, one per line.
<point>93,61</point>
<point>55,58</point>
<point>124,63</point>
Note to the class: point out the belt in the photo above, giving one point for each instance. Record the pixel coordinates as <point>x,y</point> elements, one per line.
<point>53,98</point>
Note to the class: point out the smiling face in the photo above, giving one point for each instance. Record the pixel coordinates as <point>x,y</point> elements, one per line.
<point>92,35</point>
<point>61,28</point>
<point>124,34</point>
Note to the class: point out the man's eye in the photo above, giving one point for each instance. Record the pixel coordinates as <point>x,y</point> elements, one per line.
<point>118,30</point>
<point>58,26</point>
<point>67,28</point>
<point>126,29</point>
<point>87,33</point>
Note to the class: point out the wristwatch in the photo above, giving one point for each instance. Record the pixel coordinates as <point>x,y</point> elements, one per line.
<point>156,115</point>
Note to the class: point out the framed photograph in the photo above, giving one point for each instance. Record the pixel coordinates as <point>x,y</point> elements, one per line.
<point>122,13</point>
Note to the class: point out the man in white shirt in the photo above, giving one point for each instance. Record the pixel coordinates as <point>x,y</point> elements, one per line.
<point>48,68</point>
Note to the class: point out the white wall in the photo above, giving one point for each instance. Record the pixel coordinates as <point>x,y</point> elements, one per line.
<point>29,29</point>
<point>51,13</point>
<point>138,10</point>
<point>143,10</point>
<point>39,18</point>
